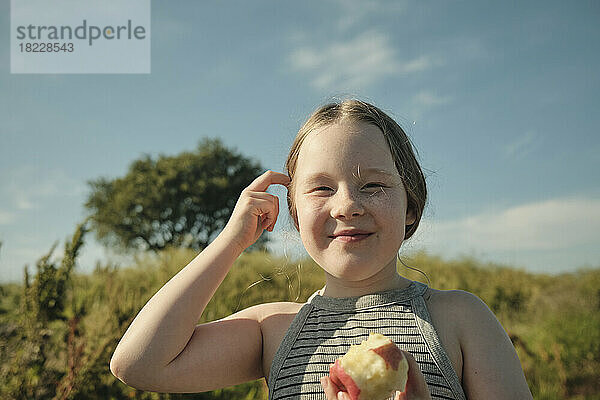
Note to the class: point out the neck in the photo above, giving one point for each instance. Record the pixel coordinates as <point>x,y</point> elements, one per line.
<point>336,287</point>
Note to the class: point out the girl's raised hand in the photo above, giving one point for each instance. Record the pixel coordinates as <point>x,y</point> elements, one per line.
<point>416,387</point>
<point>255,210</point>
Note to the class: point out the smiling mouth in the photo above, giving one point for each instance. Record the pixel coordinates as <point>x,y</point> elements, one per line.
<point>351,237</point>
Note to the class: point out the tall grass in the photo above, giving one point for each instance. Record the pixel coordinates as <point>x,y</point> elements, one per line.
<point>553,320</point>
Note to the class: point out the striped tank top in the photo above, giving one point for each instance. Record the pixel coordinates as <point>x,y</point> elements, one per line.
<point>325,327</point>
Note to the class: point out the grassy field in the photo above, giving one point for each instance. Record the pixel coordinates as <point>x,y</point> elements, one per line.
<point>59,328</point>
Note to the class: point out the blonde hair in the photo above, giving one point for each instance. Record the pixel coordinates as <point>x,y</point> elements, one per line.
<point>399,144</point>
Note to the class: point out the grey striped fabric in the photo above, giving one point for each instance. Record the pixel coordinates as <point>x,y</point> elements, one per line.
<point>325,327</point>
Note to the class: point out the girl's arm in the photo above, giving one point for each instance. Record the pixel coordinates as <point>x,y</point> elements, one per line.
<point>491,367</point>
<point>165,350</point>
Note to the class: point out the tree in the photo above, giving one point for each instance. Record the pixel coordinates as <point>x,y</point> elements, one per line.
<point>181,201</point>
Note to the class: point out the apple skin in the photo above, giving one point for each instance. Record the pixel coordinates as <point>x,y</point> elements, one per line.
<point>390,354</point>
<point>343,381</point>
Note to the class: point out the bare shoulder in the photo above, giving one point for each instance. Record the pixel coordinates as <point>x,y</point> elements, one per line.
<point>460,305</point>
<point>465,310</point>
<point>278,308</point>
<point>469,313</point>
<point>445,309</point>
<point>262,312</point>
<point>448,300</point>
<point>490,365</point>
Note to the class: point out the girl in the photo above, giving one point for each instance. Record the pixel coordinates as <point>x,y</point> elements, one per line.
<point>355,192</point>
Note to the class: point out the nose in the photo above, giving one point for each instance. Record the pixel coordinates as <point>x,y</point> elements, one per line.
<point>346,204</point>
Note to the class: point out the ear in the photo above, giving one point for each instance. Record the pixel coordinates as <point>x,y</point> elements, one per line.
<point>411,216</point>
<point>294,214</point>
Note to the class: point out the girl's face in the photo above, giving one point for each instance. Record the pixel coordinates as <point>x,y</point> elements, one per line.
<point>346,180</point>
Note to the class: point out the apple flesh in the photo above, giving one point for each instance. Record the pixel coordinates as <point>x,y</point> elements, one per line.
<point>371,370</point>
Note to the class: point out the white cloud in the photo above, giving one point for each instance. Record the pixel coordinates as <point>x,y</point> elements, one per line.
<point>351,60</point>
<point>355,63</point>
<point>6,217</point>
<point>521,145</point>
<point>22,202</point>
<point>551,224</point>
<point>29,186</point>
<point>427,98</point>
<point>563,232</point>
<point>353,12</point>
<point>418,64</point>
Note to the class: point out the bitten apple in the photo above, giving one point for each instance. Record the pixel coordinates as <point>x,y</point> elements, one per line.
<point>371,370</point>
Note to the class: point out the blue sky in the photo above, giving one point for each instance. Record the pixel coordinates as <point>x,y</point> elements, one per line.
<point>500,100</point>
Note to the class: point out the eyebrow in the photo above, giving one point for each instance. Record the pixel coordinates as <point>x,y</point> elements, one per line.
<point>373,170</point>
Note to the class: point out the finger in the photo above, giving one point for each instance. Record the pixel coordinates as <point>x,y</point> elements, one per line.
<point>261,195</point>
<point>343,396</point>
<point>416,387</point>
<point>329,388</point>
<point>269,213</point>
<point>262,182</point>
<point>263,221</point>
<point>260,203</point>
<point>272,217</point>
<point>276,201</point>
<point>332,381</point>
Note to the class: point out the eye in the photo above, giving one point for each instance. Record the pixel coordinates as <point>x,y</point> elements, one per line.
<point>321,188</point>
<point>375,185</point>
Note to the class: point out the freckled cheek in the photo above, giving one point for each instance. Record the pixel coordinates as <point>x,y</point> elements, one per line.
<point>312,220</point>
<point>388,208</point>
<point>383,199</point>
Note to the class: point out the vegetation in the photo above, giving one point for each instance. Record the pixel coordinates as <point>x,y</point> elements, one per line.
<point>59,328</point>
<point>180,201</point>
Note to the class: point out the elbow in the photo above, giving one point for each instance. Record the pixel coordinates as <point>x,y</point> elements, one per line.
<point>122,370</point>
<point>116,368</point>
<point>132,374</point>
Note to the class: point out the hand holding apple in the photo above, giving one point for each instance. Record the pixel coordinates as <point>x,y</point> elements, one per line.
<point>371,370</point>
